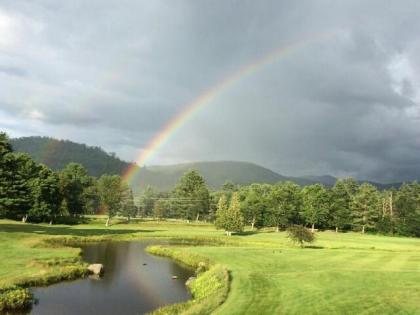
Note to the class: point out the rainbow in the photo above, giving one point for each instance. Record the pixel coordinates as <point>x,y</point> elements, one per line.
<point>206,98</point>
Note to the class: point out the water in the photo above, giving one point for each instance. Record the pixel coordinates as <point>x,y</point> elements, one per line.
<point>128,286</point>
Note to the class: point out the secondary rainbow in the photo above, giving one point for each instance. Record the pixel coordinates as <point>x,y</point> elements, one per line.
<point>206,98</point>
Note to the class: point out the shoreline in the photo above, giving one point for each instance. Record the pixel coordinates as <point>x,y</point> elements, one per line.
<point>18,295</point>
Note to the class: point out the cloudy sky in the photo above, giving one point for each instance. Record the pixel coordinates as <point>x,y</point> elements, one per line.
<point>344,98</point>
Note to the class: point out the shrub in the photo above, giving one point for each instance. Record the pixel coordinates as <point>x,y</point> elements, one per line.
<point>15,298</point>
<point>299,234</point>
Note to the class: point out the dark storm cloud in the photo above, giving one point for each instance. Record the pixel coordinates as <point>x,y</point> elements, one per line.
<point>112,73</point>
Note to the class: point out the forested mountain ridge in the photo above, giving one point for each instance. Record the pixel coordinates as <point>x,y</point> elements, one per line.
<point>56,154</point>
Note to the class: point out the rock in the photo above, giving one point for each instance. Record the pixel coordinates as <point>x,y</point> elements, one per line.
<point>174,277</point>
<point>190,281</point>
<point>96,269</point>
<point>95,277</point>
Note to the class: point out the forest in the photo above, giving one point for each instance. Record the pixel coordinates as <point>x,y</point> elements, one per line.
<point>34,192</point>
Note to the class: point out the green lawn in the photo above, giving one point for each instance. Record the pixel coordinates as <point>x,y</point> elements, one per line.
<point>342,274</point>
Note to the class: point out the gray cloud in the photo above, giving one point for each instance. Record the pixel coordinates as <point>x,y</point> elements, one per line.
<point>113,73</point>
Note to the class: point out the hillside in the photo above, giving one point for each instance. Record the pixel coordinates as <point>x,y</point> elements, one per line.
<point>57,153</point>
<point>164,177</point>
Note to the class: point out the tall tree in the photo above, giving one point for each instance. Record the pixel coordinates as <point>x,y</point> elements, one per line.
<point>254,203</point>
<point>406,210</point>
<point>111,192</point>
<point>221,212</point>
<point>285,204</point>
<point>192,195</point>
<point>73,181</point>
<point>160,209</point>
<point>366,206</point>
<point>147,201</point>
<point>315,204</point>
<point>128,208</point>
<point>17,170</point>
<point>234,220</point>
<point>341,196</point>
<point>45,190</point>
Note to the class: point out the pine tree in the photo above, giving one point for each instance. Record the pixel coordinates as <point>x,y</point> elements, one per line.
<point>285,203</point>
<point>315,204</point>
<point>74,180</point>
<point>221,212</point>
<point>45,190</point>
<point>341,195</point>
<point>192,196</point>
<point>365,206</point>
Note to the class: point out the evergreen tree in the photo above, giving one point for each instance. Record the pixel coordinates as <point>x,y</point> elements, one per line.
<point>341,196</point>
<point>285,204</point>
<point>192,196</point>
<point>74,180</point>
<point>315,204</point>
<point>221,212</point>
<point>45,191</point>
<point>365,206</point>
<point>17,170</point>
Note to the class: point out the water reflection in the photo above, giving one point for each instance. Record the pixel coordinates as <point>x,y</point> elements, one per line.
<point>134,283</point>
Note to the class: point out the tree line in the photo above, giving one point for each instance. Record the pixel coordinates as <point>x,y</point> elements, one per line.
<point>32,191</point>
<point>346,206</point>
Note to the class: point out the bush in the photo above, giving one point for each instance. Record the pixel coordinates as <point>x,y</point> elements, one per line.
<point>15,298</point>
<point>299,234</point>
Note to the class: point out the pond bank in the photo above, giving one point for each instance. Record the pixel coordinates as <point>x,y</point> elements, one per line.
<point>18,296</point>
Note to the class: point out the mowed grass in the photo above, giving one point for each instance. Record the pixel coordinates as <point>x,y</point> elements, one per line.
<point>344,273</point>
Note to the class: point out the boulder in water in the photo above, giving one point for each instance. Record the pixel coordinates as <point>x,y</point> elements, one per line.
<point>96,269</point>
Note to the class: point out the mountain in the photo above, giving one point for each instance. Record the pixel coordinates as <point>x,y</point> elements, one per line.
<point>58,153</point>
<point>164,177</point>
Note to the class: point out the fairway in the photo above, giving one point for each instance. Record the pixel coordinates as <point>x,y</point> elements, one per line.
<point>341,274</point>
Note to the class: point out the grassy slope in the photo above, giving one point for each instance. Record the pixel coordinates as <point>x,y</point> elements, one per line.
<point>349,274</point>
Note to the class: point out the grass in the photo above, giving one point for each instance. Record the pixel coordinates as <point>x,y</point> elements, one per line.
<point>344,273</point>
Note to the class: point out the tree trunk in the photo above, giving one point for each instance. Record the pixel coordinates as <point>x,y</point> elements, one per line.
<point>196,218</point>
<point>107,221</point>
<point>252,223</point>
<point>313,227</point>
<point>277,228</point>
<point>25,218</point>
<point>363,229</point>
<point>51,222</point>
<point>336,229</point>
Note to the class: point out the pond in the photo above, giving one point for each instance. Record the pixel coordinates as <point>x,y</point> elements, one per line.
<point>134,282</point>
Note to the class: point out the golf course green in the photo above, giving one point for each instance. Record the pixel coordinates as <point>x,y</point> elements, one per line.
<point>341,273</point>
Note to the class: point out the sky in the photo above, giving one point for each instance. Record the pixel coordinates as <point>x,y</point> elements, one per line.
<point>344,98</point>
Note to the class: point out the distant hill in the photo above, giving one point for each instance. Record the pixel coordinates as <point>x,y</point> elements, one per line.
<point>165,177</point>
<point>57,153</point>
